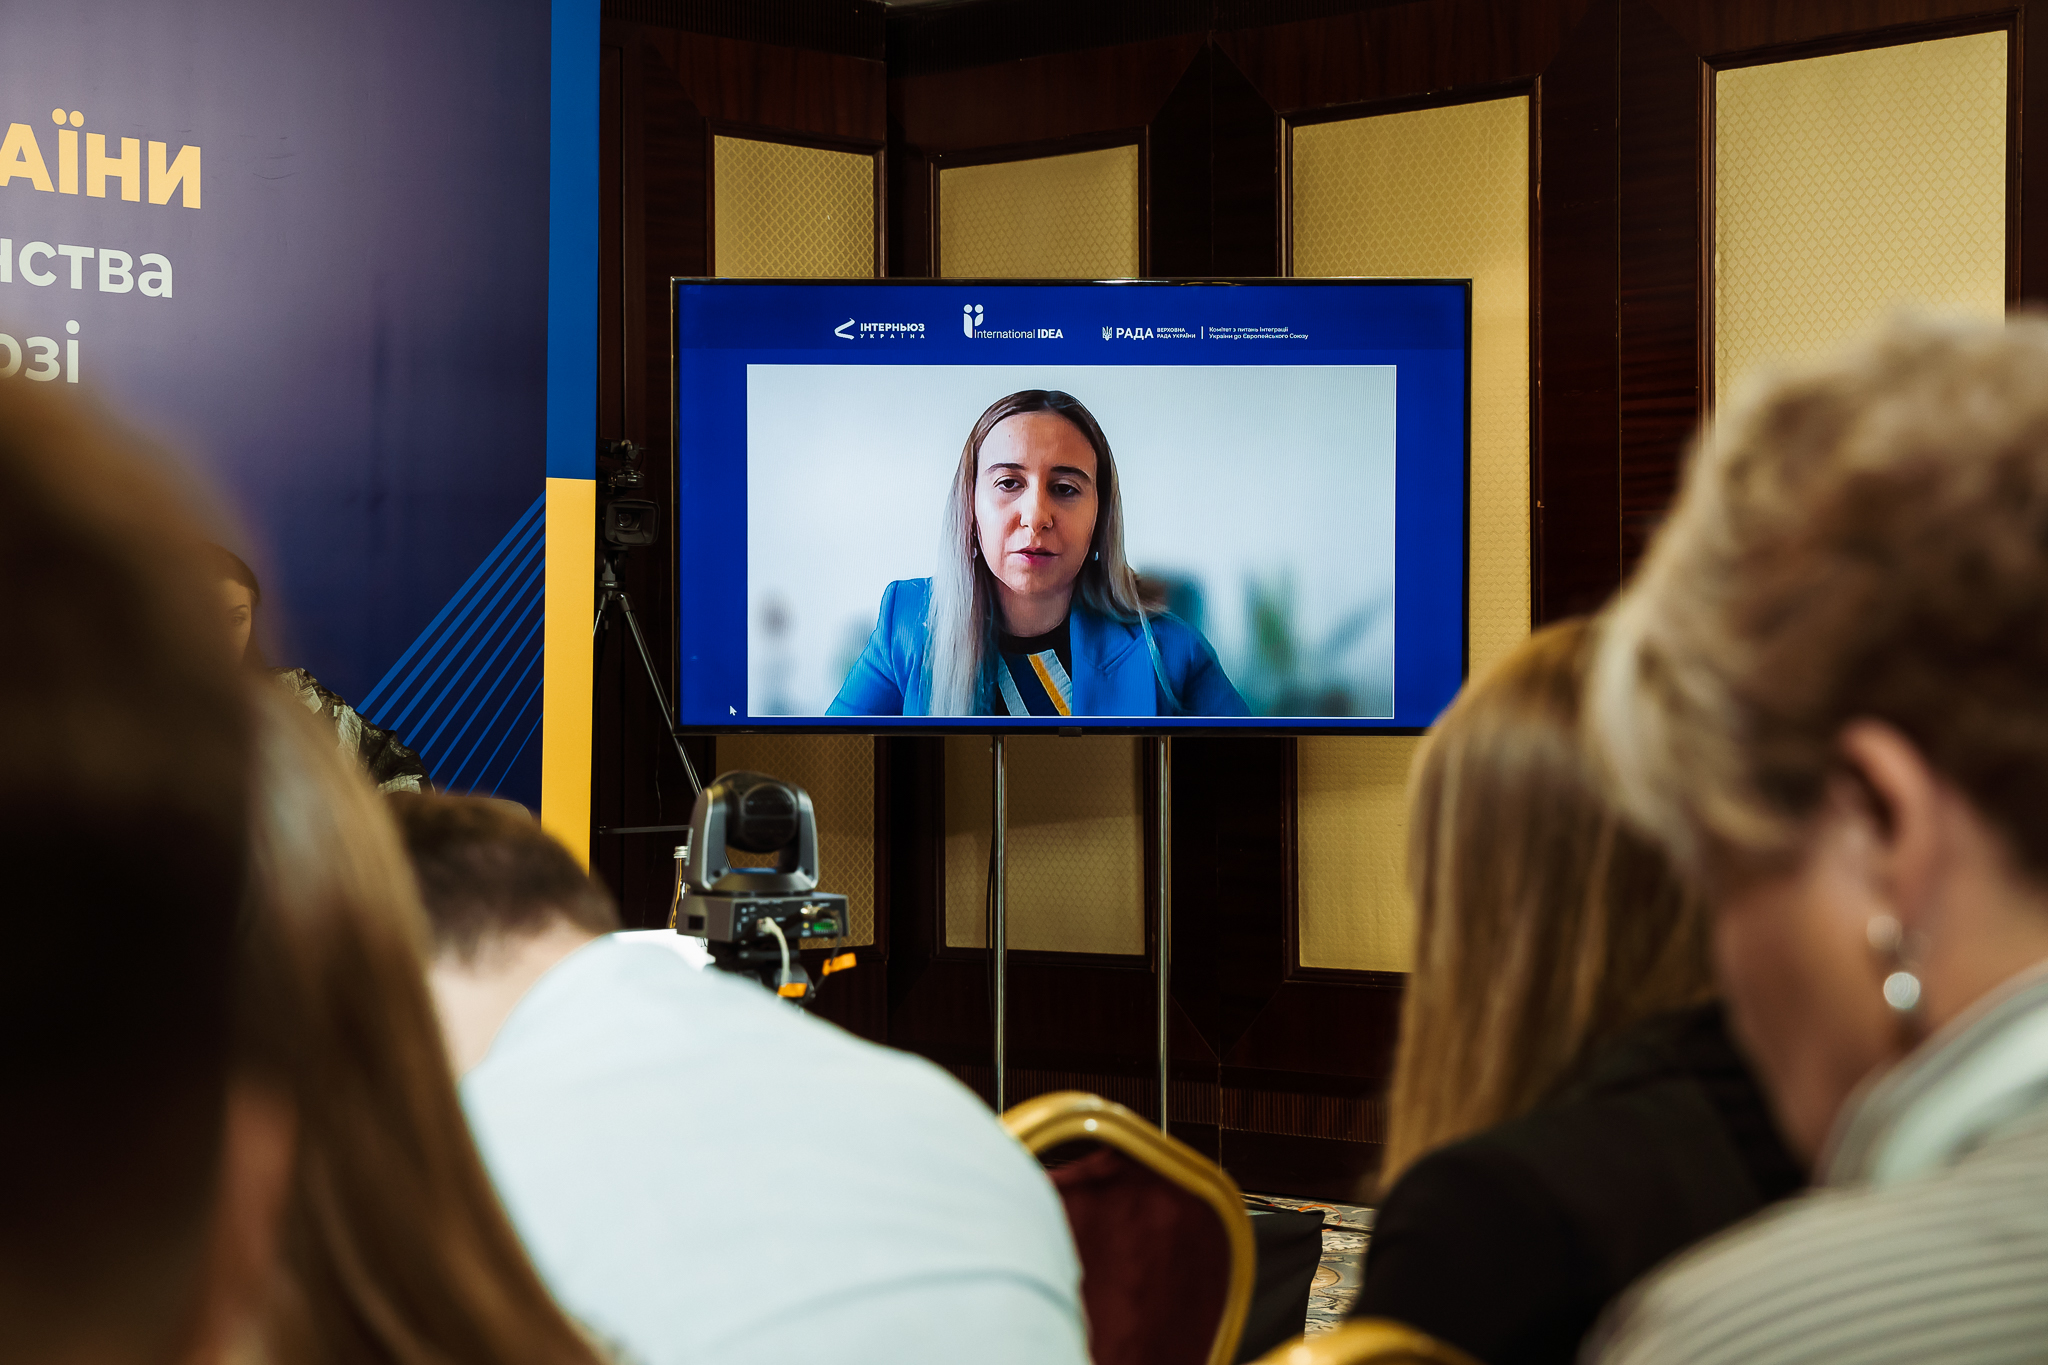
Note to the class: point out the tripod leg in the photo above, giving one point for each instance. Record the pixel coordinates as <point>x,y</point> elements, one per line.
<point>660,697</point>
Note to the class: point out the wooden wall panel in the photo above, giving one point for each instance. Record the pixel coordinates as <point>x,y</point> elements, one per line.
<point>653,174</point>
<point>908,245</point>
<point>1233,887</point>
<point>785,89</point>
<point>2028,284</point>
<point>1577,416</point>
<point>1246,197</point>
<point>1039,99</point>
<point>1429,49</point>
<point>1717,29</point>
<point>1181,161</point>
<point>1659,153</point>
<point>1277,1070</point>
<point>613,271</point>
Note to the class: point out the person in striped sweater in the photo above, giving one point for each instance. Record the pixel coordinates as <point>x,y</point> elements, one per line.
<point>1826,693</point>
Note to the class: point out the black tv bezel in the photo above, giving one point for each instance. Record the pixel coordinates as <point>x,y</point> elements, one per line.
<point>927,726</point>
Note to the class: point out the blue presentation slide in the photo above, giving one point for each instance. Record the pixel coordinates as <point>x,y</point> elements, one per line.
<point>1132,506</point>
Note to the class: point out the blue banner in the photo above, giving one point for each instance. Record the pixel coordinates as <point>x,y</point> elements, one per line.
<point>306,245</point>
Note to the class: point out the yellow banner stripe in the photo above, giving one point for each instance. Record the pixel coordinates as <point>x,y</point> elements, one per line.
<point>1052,689</point>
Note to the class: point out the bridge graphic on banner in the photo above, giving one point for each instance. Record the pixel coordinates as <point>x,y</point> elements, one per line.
<point>466,694</point>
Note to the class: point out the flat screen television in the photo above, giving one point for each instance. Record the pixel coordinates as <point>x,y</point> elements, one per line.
<point>1212,506</point>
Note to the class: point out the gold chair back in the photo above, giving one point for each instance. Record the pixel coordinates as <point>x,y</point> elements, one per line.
<point>1065,1116</point>
<point>1367,1341</point>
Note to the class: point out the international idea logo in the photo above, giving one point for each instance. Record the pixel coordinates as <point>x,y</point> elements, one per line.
<point>974,326</point>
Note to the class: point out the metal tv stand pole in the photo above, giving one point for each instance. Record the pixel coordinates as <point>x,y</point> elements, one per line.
<point>999,937</point>
<point>999,934</point>
<point>1162,782</point>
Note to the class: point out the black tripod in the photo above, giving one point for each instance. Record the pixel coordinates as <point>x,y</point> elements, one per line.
<point>609,582</point>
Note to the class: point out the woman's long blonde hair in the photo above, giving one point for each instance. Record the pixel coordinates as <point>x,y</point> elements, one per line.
<point>1543,927</point>
<point>961,642</point>
<point>394,1250</point>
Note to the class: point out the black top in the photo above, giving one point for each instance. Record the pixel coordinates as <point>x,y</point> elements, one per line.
<point>1509,1243</point>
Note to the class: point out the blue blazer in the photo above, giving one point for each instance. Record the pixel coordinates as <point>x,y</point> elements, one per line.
<point>1113,674</point>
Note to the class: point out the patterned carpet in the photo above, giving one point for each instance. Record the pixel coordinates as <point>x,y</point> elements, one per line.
<point>1346,1229</point>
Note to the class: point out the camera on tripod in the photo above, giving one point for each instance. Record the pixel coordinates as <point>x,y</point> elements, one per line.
<point>752,918</point>
<point>627,521</point>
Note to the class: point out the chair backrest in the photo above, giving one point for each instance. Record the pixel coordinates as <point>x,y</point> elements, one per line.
<point>1166,1249</point>
<point>1367,1341</point>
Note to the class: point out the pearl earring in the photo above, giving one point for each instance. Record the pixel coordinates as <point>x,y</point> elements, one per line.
<point>1901,987</point>
<point>1902,991</point>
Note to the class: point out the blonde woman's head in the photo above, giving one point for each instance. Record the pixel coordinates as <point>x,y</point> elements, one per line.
<point>1543,926</point>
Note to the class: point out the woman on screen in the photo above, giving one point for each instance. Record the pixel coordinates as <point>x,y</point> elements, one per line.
<point>1033,610</point>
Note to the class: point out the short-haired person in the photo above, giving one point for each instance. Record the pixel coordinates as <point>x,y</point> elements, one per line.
<point>395,1249</point>
<point>1827,693</point>
<point>139,1182</point>
<point>390,764</point>
<point>703,1172</point>
<point>1567,1109</point>
<point>1034,609</point>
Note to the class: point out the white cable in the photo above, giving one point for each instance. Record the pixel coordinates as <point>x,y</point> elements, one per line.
<point>772,927</point>
<point>675,904</point>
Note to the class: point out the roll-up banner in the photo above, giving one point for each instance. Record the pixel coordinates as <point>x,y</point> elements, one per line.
<point>342,259</point>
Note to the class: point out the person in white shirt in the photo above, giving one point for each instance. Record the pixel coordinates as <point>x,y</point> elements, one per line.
<point>701,1171</point>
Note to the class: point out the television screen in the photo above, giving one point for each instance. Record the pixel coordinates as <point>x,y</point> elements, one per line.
<point>1116,505</point>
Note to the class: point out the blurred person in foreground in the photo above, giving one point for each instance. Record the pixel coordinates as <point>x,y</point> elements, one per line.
<point>1567,1108</point>
<point>390,764</point>
<point>395,1250</point>
<point>139,1180</point>
<point>1827,693</point>
<point>701,1170</point>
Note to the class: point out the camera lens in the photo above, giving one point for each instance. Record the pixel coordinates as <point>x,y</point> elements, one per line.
<point>765,819</point>
<point>631,521</point>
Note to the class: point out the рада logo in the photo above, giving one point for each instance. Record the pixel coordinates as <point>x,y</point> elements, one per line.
<point>1108,332</point>
<point>970,317</point>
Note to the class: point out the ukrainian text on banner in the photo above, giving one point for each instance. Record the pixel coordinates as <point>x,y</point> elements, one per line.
<point>307,245</point>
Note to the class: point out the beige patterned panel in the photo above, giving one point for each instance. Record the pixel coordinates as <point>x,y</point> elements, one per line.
<point>1441,192</point>
<point>1845,185</point>
<point>839,773</point>
<point>1075,848</point>
<point>791,212</point>
<point>1076,839</point>
<point>1352,887</point>
<point>1052,217</point>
